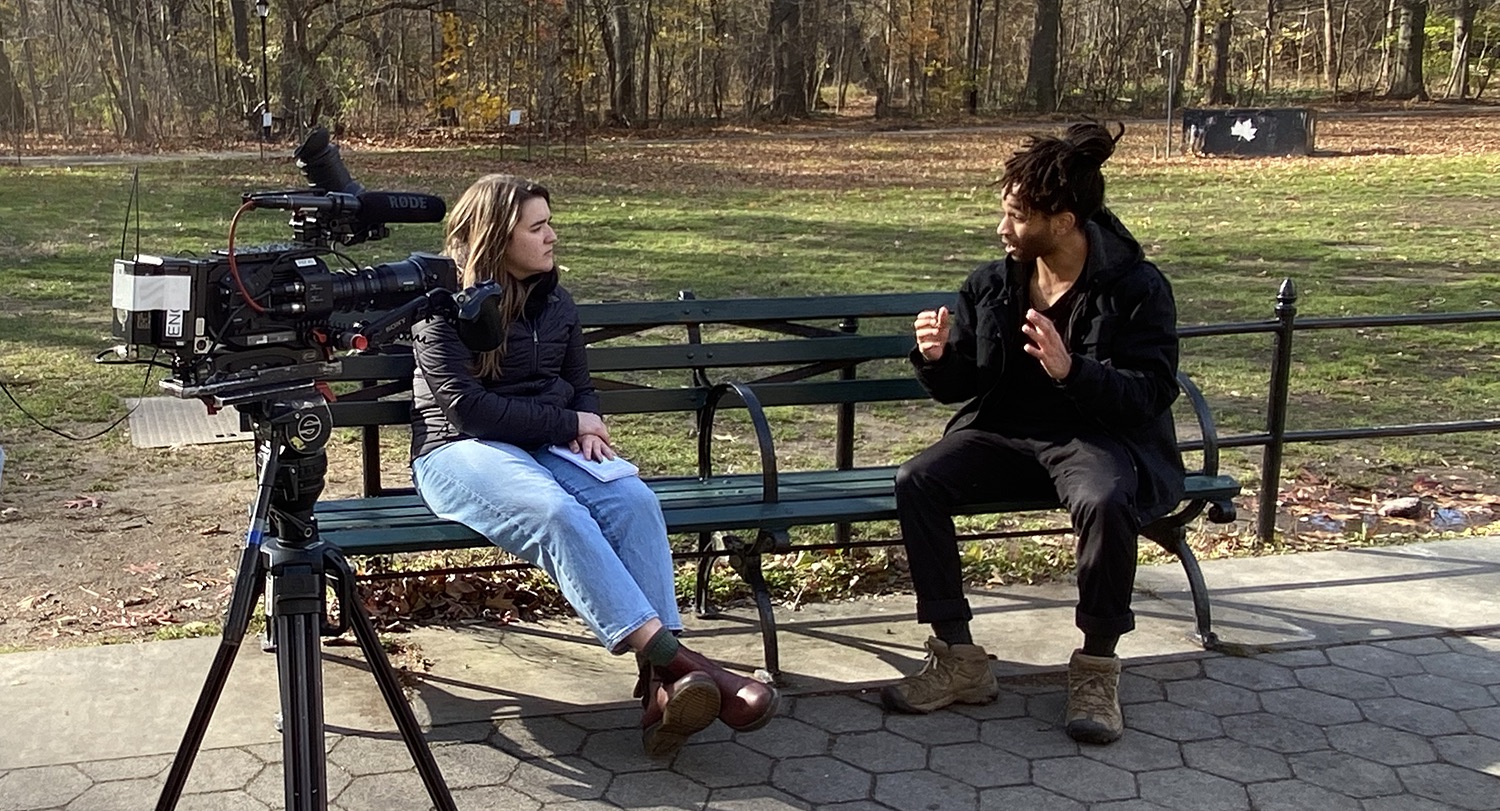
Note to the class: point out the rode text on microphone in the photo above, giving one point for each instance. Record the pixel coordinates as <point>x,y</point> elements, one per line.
<point>255,322</point>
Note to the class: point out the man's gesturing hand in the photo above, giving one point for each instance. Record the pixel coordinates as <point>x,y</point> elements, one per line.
<point>932,333</point>
<point>1046,345</point>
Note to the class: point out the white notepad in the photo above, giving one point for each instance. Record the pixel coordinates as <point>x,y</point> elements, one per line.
<point>606,471</point>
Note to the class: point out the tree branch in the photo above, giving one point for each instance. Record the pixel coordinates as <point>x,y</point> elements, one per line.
<point>370,11</point>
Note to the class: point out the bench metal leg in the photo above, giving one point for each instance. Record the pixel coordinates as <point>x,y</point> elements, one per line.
<point>1206,635</point>
<point>701,606</point>
<point>745,558</point>
<point>1174,540</point>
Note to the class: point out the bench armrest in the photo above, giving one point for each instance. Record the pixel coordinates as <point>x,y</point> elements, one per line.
<point>1168,530</point>
<point>769,477</point>
<point>1206,426</point>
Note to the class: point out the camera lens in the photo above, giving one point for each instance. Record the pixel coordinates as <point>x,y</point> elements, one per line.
<point>390,284</point>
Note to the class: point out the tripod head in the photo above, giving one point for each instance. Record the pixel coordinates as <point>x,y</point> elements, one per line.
<point>291,429</point>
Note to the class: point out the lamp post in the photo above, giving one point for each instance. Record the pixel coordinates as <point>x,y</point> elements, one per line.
<point>1171,57</point>
<point>263,8</point>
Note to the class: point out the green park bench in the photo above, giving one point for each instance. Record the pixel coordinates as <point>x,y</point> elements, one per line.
<point>773,352</point>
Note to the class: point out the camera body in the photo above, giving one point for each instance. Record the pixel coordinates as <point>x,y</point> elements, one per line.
<point>192,309</point>
<point>237,321</point>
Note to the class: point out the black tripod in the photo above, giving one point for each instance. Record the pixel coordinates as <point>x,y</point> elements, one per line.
<point>290,433</point>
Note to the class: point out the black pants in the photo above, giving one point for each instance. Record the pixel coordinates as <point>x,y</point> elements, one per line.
<point>1093,476</point>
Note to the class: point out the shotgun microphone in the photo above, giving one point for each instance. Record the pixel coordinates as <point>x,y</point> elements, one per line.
<point>381,207</point>
<point>367,209</point>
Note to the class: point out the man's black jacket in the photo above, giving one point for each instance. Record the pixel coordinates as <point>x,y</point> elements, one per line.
<point>1122,331</point>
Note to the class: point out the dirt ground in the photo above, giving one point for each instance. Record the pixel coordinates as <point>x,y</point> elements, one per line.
<point>103,542</point>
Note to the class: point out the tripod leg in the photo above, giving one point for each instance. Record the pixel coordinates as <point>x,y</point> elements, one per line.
<point>390,688</point>
<point>298,621</point>
<point>248,582</point>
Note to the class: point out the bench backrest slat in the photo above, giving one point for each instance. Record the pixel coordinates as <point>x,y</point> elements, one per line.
<point>354,414</point>
<point>786,370</point>
<point>751,311</point>
<point>853,348</point>
<point>664,357</point>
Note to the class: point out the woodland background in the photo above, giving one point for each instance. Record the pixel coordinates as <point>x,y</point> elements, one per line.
<point>157,72</point>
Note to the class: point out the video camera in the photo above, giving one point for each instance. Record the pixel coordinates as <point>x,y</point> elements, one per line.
<point>241,322</point>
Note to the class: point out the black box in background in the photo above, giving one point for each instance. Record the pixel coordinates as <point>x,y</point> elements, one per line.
<point>1266,131</point>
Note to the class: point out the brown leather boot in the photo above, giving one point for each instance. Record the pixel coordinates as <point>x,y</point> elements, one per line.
<point>672,712</point>
<point>745,704</point>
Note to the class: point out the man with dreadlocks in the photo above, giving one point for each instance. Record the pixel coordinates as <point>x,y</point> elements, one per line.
<point>1065,357</point>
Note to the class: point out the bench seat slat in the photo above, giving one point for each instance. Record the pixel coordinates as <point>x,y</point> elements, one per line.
<point>402,523</point>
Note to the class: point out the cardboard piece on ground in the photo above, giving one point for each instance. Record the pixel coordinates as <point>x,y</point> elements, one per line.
<point>161,422</point>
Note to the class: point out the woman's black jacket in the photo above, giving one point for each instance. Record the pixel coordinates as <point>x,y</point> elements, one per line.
<point>543,383</point>
<point>1122,331</point>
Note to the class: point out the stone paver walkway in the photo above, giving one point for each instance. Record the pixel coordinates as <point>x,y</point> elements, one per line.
<point>1410,724</point>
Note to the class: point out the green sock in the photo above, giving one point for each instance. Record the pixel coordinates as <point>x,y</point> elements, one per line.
<point>662,648</point>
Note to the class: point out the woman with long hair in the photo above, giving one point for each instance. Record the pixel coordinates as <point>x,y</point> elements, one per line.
<point>485,428</point>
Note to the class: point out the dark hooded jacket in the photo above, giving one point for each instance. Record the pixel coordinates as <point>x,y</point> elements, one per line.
<point>543,383</point>
<point>1122,330</point>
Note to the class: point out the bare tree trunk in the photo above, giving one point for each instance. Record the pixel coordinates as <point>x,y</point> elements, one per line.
<point>1411,42</point>
<point>1195,52</point>
<point>1041,75</point>
<point>293,67</point>
<point>1463,23</point>
<point>972,61</point>
<point>245,69</point>
<point>29,54</point>
<point>1268,46</point>
<point>1187,44</point>
<point>992,87</point>
<point>788,60</point>
<point>618,32</point>
<point>721,77</point>
<point>122,71</point>
<point>577,64</point>
<point>1388,43</point>
<point>12,104</point>
<point>648,26</point>
<point>1330,50</point>
<point>1218,87</point>
<point>67,83</point>
<point>875,58</point>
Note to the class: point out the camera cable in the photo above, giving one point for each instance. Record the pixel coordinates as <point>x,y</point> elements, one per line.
<point>101,432</point>
<point>234,266</point>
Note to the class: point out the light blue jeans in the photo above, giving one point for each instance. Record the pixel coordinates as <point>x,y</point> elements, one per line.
<point>603,543</point>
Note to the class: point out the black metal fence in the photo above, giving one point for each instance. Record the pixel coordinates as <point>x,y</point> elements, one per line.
<point>1273,440</point>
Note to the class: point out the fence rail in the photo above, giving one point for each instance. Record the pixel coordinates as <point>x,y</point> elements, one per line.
<point>1273,440</point>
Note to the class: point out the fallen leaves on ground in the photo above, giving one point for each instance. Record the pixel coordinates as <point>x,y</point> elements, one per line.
<point>448,597</point>
<point>1426,504</point>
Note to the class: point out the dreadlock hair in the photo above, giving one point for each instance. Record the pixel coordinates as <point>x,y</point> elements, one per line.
<point>1051,175</point>
<point>479,229</point>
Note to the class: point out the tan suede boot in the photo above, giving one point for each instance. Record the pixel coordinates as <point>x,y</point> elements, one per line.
<point>1093,714</point>
<point>952,673</point>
